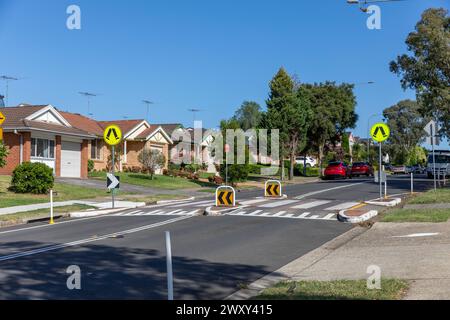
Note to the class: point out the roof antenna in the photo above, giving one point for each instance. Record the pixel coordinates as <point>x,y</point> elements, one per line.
<point>88,95</point>
<point>194,112</point>
<point>148,103</point>
<point>7,79</point>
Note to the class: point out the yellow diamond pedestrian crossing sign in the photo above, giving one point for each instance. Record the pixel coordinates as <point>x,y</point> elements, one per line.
<point>112,135</point>
<point>2,118</point>
<point>380,132</point>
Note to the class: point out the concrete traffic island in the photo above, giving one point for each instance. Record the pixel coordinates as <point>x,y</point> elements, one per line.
<point>356,215</point>
<point>385,202</point>
<point>218,211</point>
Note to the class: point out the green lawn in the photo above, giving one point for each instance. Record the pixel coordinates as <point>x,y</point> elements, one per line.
<point>440,196</point>
<point>391,289</point>
<point>42,213</point>
<point>409,215</point>
<point>162,182</point>
<point>65,192</point>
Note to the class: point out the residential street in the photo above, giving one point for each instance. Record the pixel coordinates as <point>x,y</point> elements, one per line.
<point>122,255</point>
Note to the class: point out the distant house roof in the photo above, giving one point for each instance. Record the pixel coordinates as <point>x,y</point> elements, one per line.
<point>83,123</point>
<point>125,125</point>
<point>15,116</point>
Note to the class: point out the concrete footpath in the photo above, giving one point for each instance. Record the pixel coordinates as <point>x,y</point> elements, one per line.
<point>417,252</point>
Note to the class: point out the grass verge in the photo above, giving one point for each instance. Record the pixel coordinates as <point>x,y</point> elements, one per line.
<point>42,213</point>
<point>151,199</point>
<point>438,196</point>
<point>64,191</point>
<point>391,289</point>
<point>409,215</point>
<point>159,182</point>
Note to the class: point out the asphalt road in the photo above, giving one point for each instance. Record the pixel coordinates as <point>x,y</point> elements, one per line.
<point>122,256</point>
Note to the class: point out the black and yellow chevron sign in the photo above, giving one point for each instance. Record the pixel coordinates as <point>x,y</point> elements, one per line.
<point>225,198</point>
<point>273,189</point>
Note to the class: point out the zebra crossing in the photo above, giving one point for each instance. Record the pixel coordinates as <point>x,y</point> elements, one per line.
<point>312,209</point>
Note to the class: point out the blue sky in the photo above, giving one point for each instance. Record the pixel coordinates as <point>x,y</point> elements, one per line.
<point>205,54</point>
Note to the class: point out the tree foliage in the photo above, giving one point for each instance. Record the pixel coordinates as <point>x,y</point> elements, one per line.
<point>152,160</point>
<point>248,115</point>
<point>334,112</point>
<point>406,124</point>
<point>427,69</point>
<point>289,111</point>
<point>3,154</point>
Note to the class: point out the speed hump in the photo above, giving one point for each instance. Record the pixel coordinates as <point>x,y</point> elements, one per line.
<point>225,197</point>
<point>273,188</point>
<point>380,132</point>
<point>112,135</point>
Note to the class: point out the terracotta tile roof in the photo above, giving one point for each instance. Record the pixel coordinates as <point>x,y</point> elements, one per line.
<point>125,125</point>
<point>38,125</point>
<point>16,115</point>
<point>83,123</point>
<point>168,128</point>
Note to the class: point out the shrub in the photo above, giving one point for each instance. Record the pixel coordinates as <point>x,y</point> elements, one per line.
<point>218,180</point>
<point>91,165</point>
<point>34,178</point>
<point>3,154</point>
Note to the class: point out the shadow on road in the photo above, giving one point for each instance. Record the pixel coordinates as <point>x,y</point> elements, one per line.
<point>109,272</point>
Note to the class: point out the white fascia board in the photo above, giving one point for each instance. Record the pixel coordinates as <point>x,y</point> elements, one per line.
<point>52,109</point>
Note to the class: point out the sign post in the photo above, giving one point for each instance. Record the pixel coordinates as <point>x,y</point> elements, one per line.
<point>431,129</point>
<point>113,136</point>
<point>227,149</point>
<point>380,132</point>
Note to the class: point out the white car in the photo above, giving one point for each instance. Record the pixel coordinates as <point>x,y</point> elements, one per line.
<point>310,162</point>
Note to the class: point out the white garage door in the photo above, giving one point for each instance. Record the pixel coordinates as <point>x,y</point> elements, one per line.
<point>70,159</point>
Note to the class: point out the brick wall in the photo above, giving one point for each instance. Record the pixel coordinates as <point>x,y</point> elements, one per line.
<point>58,156</point>
<point>12,141</point>
<point>84,159</point>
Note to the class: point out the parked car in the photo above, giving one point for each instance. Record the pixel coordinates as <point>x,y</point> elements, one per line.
<point>362,169</point>
<point>418,169</point>
<point>399,169</point>
<point>310,162</point>
<point>337,170</point>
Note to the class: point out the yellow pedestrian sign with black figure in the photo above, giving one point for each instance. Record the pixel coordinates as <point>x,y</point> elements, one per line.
<point>225,197</point>
<point>2,118</point>
<point>112,135</point>
<point>380,132</point>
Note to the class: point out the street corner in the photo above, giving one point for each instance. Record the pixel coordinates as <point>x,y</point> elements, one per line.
<point>356,214</point>
<point>389,202</point>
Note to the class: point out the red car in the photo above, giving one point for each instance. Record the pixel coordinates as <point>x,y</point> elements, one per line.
<point>337,170</point>
<point>362,169</point>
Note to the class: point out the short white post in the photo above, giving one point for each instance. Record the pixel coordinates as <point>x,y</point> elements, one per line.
<point>412,182</point>
<point>51,207</point>
<point>169,266</point>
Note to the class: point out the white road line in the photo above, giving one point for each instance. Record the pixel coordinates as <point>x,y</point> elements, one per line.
<point>248,202</point>
<point>206,204</point>
<point>154,212</point>
<point>265,214</point>
<point>326,190</point>
<point>314,217</point>
<point>277,204</point>
<point>290,215</point>
<point>343,206</point>
<point>311,204</point>
<point>278,214</point>
<point>173,212</point>
<point>88,240</point>
<point>304,215</point>
<point>193,212</point>
<point>254,213</point>
<point>190,203</point>
<point>329,216</point>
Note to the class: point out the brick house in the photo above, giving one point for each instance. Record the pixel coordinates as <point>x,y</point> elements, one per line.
<point>65,141</point>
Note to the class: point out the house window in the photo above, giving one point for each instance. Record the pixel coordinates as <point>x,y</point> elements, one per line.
<point>96,149</point>
<point>42,148</point>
